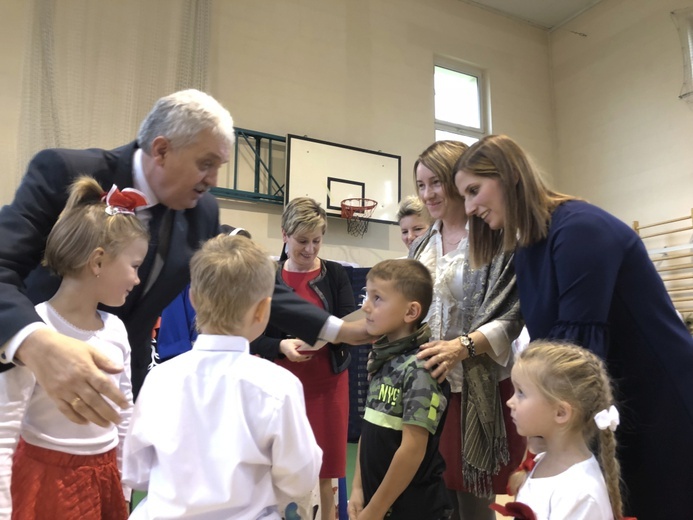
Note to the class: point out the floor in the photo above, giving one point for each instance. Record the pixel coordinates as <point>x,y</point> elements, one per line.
<point>351,461</point>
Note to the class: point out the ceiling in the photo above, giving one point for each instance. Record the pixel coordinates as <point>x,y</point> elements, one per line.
<point>547,14</point>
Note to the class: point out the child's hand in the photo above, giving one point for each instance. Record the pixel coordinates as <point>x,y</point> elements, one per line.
<point>355,504</point>
<point>289,347</point>
<point>367,514</point>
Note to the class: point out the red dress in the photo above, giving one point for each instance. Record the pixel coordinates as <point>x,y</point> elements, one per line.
<point>326,393</point>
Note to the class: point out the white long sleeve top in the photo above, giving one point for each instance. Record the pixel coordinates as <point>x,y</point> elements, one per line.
<point>27,410</point>
<point>217,434</point>
<point>448,297</point>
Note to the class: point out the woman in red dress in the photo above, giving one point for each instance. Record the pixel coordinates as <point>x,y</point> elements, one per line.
<point>322,372</point>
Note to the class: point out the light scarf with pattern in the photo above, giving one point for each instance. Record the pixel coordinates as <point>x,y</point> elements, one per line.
<point>490,293</point>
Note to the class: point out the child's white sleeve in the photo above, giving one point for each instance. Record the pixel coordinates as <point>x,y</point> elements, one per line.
<point>16,387</point>
<point>138,451</point>
<point>296,456</point>
<point>125,385</point>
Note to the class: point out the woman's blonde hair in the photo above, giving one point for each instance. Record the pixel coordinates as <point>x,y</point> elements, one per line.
<point>303,214</point>
<point>528,201</point>
<point>412,205</point>
<point>572,374</point>
<point>228,275</point>
<point>84,226</point>
<point>440,158</point>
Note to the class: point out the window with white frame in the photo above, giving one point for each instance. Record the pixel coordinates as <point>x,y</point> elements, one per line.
<point>460,102</point>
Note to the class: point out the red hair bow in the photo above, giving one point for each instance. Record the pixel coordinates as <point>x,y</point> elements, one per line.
<point>124,202</point>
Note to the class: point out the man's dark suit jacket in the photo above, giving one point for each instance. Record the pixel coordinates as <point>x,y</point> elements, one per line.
<point>27,221</point>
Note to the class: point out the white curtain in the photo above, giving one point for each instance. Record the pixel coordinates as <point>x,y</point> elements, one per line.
<point>93,69</point>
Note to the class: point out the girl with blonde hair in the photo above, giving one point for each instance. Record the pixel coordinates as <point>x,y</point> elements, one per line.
<point>563,395</point>
<point>51,467</point>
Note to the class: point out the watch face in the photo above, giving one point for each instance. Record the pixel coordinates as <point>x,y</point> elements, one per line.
<point>465,340</point>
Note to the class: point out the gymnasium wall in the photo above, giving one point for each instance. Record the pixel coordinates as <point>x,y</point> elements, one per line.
<point>359,72</point>
<point>623,138</point>
<point>356,72</point>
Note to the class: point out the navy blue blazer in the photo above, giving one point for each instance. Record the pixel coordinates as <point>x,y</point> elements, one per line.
<point>26,222</point>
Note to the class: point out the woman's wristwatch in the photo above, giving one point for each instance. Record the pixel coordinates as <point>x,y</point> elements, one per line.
<point>468,343</point>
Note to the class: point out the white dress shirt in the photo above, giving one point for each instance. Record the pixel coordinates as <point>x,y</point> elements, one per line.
<point>219,434</point>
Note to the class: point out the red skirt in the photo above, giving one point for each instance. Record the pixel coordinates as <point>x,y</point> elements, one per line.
<point>451,443</point>
<point>327,408</point>
<point>52,485</point>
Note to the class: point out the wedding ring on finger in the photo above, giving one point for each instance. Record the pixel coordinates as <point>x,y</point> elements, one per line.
<point>74,402</point>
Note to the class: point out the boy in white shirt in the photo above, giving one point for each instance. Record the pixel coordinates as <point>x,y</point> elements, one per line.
<point>233,440</point>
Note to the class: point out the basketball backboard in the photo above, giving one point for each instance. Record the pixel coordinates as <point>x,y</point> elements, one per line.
<point>331,172</point>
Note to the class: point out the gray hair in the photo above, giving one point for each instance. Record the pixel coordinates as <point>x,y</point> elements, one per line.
<point>181,116</point>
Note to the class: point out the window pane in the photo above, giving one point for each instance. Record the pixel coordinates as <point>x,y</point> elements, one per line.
<point>456,98</point>
<point>442,135</point>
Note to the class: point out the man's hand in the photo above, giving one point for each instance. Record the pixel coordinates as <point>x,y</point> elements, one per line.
<point>70,371</point>
<point>354,333</point>
<point>289,347</point>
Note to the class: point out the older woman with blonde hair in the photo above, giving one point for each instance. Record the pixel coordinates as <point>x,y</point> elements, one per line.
<point>414,219</point>
<point>323,372</point>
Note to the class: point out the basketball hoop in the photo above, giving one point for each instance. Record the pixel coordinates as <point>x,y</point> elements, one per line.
<point>357,212</point>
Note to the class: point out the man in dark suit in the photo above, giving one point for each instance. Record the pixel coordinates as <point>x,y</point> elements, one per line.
<point>180,147</point>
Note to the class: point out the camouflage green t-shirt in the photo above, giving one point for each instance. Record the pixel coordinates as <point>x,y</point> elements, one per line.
<point>403,392</point>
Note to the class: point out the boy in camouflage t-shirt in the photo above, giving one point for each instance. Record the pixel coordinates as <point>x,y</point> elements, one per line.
<point>399,471</point>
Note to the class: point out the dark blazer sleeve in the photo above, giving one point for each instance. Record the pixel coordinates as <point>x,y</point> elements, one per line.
<point>266,347</point>
<point>295,316</point>
<point>24,226</point>
<point>286,317</point>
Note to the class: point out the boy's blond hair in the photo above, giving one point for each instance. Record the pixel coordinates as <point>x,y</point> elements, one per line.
<point>410,278</point>
<point>229,275</point>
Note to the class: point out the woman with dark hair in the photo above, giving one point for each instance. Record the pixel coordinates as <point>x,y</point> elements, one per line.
<point>585,277</point>
<point>323,372</point>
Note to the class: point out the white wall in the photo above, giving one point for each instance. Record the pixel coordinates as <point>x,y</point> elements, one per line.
<point>623,136</point>
<point>356,72</point>
<point>13,28</point>
<point>360,72</point>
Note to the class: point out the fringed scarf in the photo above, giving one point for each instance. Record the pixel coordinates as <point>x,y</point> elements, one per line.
<point>490,293</point>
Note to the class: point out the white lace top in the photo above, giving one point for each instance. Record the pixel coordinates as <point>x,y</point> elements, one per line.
<point>443,316</point>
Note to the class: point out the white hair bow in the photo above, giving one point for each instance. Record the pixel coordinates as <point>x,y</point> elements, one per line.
<point>608,419</point>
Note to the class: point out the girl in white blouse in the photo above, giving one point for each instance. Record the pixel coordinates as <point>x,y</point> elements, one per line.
<point>563,395</point>
<point>51,467</point>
